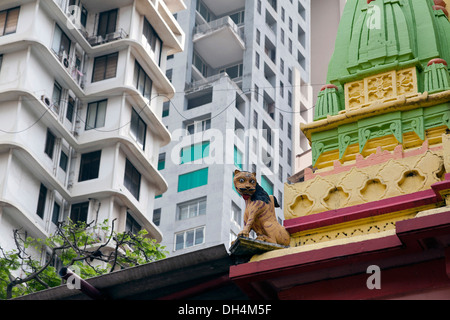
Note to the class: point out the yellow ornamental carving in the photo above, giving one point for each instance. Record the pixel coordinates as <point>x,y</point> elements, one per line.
<point>360,185</point>
<point>406,82</point>
<point>380,88</point>
<point>354,94</point>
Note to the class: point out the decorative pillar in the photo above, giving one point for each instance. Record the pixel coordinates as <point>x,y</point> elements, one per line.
<point>327,102</point>
<point>436,75</point>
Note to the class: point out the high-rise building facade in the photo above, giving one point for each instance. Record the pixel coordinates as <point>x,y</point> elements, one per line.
<point>82,87</point>
<point>236,85</point>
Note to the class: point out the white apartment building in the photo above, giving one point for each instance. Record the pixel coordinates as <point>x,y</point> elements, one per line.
<point>236,85</point>
<point>82,87</point>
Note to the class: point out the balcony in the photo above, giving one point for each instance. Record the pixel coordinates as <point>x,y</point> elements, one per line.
<point>203,83</point>
<point>73,68</point>
<point>219,8</point>
<point>219,42</point>
<point>113,36</point>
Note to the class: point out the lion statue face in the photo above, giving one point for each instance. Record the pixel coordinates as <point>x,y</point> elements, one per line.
<point>245,183</point>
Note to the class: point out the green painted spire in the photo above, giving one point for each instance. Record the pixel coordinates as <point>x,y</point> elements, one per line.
<point>387,34</point>
<point>436,76</point>
<point>386,51</point>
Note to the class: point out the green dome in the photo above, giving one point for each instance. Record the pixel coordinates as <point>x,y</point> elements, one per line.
<point>383,35</point>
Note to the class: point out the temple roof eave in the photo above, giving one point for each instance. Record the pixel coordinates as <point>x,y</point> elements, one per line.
<point>400,104</point>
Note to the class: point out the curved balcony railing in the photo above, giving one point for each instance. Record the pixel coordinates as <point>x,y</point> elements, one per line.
<point>219,23</point>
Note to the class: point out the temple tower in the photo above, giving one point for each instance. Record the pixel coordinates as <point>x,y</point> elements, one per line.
<point>381,172</point>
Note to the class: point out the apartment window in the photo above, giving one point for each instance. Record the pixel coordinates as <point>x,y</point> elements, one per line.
<point>8,21</point>
<point>258,6</point>
<point>189,238</point>
<point>204,11</point>
<point>41,201</point>
<point>191,209</point>
<point>203,97</point>
<point>70,109</point>
<point>131,225</point>
<point>290,46</point>
<point>280,148</point>
<point>56,95</point>
<point>266,184</point>
<point>281,120</point>
<point>138,129</point>
<point>301,10</point>
<point>161,161</point>
<point>56,212</point>
<point>50,144</point>
<point>282,66</point>
<point>234,72</point>
<point>198,126</point>
<point>169,74</point>
<point>301,59</point>
<point>238,17</point>
<point>267,133</point>
<point>83,16</point>
<point>289,131</point>
<point>258,36</point>
<point>301,36</point>
<point>63,161</point>
<point>90,165</point>
<point>289,99</point>
<point>195,152</point>
<point>236,214</point>
<point>289,156</point>
<point>201,65</point>
<point>142,81</point>
<point>166,109</point>
<point>105,67</point>
<point>280,199</point>
<point>132,179</point>
<point>107,23</point>
<point>280,173</point>
<point>157,217</point>
<point>282,35</point>
<point>61,43</point>
<point>79,212</point>
<point>193,179</point>
<point>281,89</point>
<point>153,40</point>
<point>290,75</point>
<point>238,158</point>
<point>256,93</point>
<point>255,119</point>
<point>96,113</point>
<point>257,60</point>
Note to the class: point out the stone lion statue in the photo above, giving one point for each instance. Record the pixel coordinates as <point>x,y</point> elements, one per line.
<point>259,214</point>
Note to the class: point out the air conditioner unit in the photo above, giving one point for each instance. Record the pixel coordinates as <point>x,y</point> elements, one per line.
<point>46,100</point>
